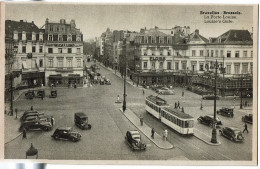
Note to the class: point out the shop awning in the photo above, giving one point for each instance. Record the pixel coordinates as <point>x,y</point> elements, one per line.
<point>24,65</point>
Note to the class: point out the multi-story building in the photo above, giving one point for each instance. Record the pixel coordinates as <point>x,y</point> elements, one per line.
<point>29,56</point>
<point>189,59</point>
<point>63,53</point>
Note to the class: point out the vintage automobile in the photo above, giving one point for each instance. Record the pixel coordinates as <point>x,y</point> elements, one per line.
<point>53,94</point>
<point>31,115</point>
<point>166,92</point>
<point>208,120</point>
<point>29,112</point>
<point>36,125</point>
<point>41,117</point>
<point>30,94</point>
<point>232,133</point>
<point>248,118</point>
<point>40,93</point>
<point>225,111</point>
<point>133,139</point>
<point>81,120</point>
<point>66,133</point>
<point>210,97</point>
<point>107,81</point>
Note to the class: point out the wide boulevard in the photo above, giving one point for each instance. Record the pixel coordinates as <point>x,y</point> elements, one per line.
<point>105,141</point>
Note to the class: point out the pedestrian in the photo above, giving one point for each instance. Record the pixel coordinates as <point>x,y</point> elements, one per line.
<point>182,109</point>
<point>68,85</point>
<point>175,105</point>
<point>141,120</point>
<point>143,91</point>
<point>246,103</point>
<point>42,96</point>
<point>52,121</point>
<point>182,93</point>
<point>16,110</point>
<point>178,105</point>
<point>165,134</point>
<point>24,133</point>
<point>31,108</point>
<point>245,128</point>
<point>75,85</point>
<point>52,85</point>
<point>118,98</point>
<point>152,133</point>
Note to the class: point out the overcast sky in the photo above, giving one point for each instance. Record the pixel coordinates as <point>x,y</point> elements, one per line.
<point>92,20</point>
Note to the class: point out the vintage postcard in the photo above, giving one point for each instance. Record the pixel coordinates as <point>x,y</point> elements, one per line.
<point>168,84</point>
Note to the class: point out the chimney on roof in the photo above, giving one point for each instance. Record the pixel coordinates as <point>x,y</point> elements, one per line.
<point>32,22</point>
<point>21,21</point>
<point>197,31</point>
<point>156,28</point>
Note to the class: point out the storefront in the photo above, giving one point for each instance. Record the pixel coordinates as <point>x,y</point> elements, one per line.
<point>33,79</point>
<point>64,81</point>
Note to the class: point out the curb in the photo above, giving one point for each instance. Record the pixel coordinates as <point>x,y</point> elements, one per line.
<point>148,136</point>
<point>13,138</point>
<point>209,143</point>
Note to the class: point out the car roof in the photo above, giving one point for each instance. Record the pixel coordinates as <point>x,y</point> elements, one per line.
<point>64,128</point>
<point>81,114</point>
<point>30,111</point>
<point>234,128</point>
<point>133,132</point>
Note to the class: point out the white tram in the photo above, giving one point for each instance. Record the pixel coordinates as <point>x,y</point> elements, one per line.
<point>153,105</point>
<point>181,122</point>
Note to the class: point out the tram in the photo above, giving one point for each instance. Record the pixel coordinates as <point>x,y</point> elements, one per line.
<point>181,122</point>
<point>154,104</point>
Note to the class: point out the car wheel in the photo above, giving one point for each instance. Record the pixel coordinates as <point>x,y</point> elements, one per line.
<point>232,139</point>
<point>220,132</point>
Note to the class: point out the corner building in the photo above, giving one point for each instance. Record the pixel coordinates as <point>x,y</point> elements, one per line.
<point>63,54</point>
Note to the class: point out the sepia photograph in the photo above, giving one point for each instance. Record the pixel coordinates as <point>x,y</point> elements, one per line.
<point>131,83</point>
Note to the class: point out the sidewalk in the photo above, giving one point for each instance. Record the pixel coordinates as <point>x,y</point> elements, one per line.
<point>146,130</point>
<point>11,128</point>
<point>205,138</point>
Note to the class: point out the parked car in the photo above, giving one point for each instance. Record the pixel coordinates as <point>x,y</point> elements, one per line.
<point>40,93</point>
<point>166,92</point>
<point>81,120</point>
<point>225,111</point>
<point>107,81</point>
<point>30,94</point>
<point>53,94</point>
<point>210,97</point>
<point>36,125</point>
<point>161,89</point>
<point>66,133</point>
<point>248,118</point>
<point>232,133</point>
<point>208,120</point>
<point>102,81</point>
<point>133,139</point>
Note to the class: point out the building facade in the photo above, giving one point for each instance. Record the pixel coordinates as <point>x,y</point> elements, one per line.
<point>29,56</point>
<point>63,53</point>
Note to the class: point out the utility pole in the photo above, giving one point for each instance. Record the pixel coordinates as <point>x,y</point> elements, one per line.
<point>241,101</point>
<point>214,131</point>
<point>124,95</point>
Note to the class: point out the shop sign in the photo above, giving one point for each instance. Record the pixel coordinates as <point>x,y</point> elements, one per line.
<point>157,58</point>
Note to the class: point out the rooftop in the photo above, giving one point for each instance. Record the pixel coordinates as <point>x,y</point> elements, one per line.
<point>20,26</point>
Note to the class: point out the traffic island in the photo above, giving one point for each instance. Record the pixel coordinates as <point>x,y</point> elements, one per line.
<point>205,138</point>
<point>146,130</point>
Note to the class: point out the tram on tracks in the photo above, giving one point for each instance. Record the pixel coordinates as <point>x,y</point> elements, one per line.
<point>154,104</point>
<point>180,122</point>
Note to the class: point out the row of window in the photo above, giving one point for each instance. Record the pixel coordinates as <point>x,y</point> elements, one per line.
<point>177,121</point>
<point>33,49</point>
<point>60,63</point>
<point>28,36</point>
<point>63,50</point>
<point>152,39</point>
<point>202,67</point>
<point>64,38</point>
<point>217,53</point>
<point>154,107</point>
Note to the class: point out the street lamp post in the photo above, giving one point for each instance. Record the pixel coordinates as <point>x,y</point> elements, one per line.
<point>214,131</point>
<point>124,95</point>
<point>241,101</point>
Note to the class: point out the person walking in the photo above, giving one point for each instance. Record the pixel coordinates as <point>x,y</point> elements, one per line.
<point>52,121</point>
<point>16,110</point>
<point>165,134</point>
<point>31,108</point>
<point>152,132</point>
<point>182,109</point>
<point>175,105</point>
<point>245,128</point>
<point>182,93</point>
<point>143,91</point>
<point>178,105</point>
<point>24,133</point>
<point>141,120</point>
<point>118,98</point>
